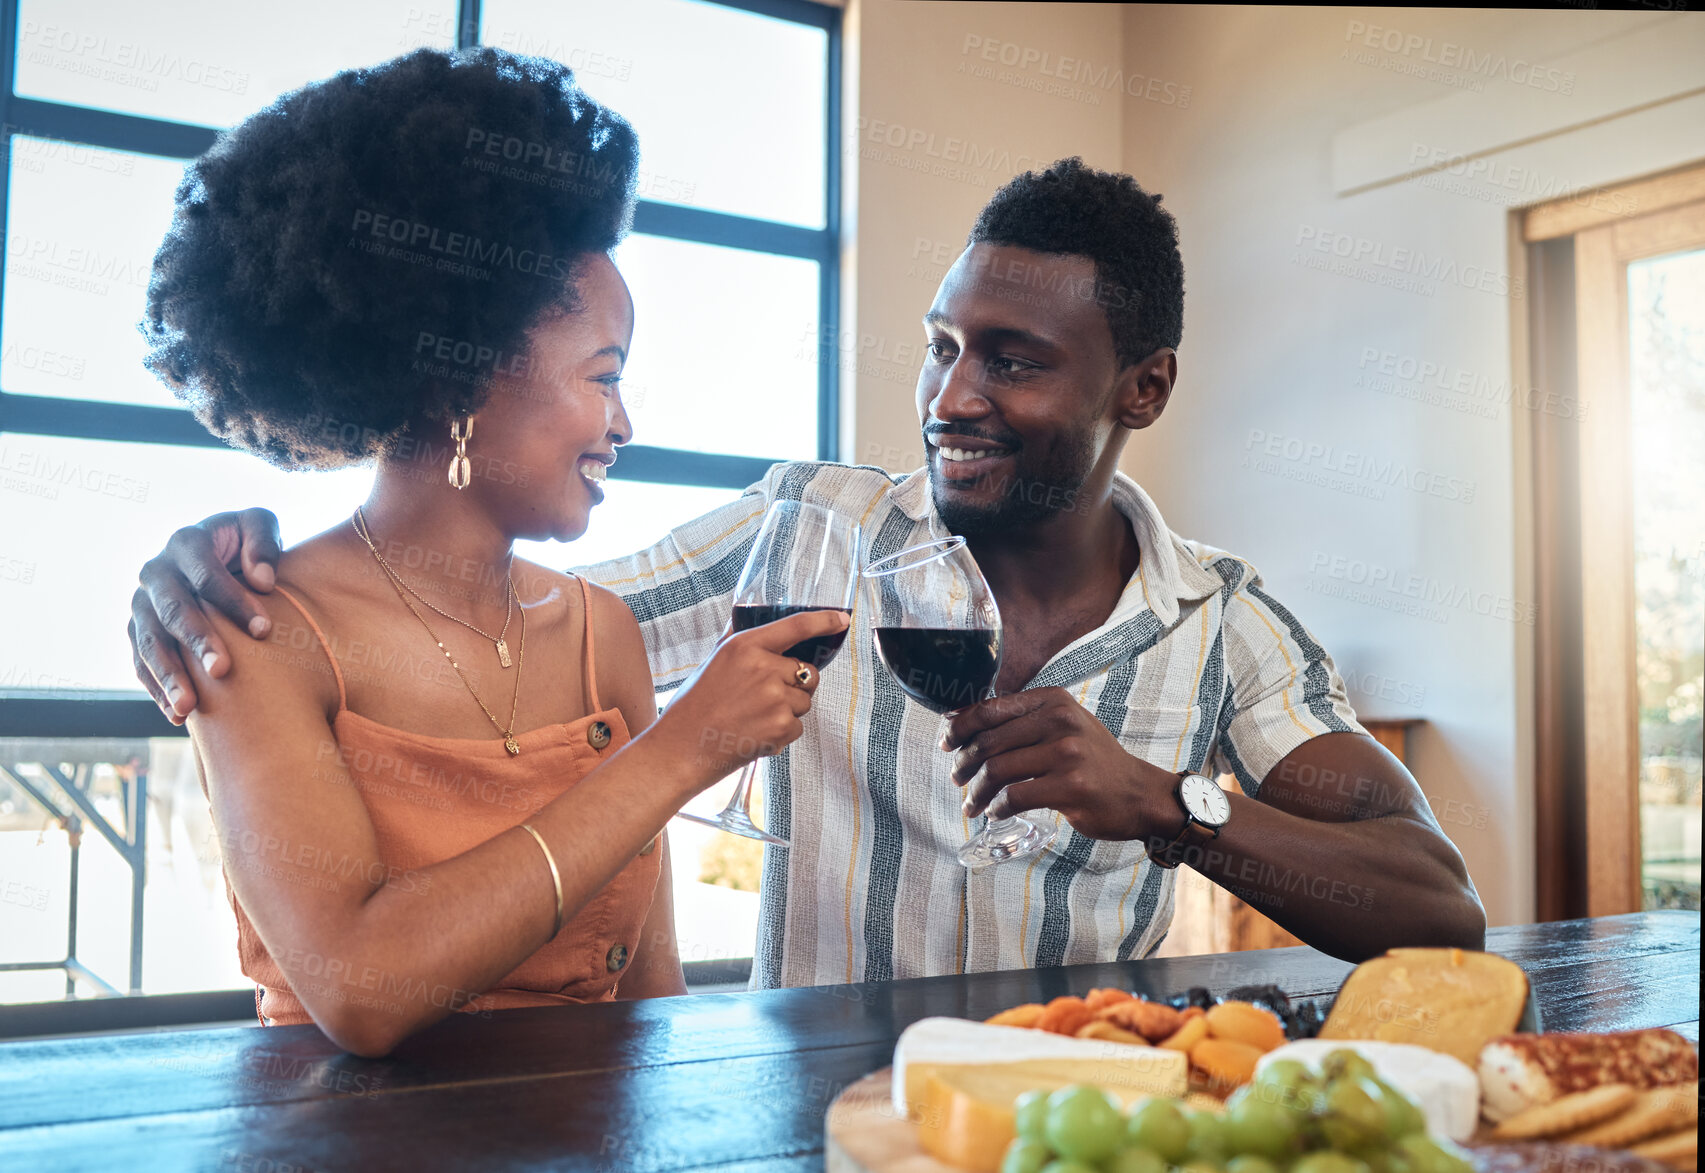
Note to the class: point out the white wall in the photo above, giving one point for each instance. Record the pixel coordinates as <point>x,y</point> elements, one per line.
<point>1274,346</point>
<point>1252,122</point>
<point>927,144</point>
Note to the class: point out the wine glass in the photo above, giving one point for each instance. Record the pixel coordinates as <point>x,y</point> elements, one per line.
<point>939,632</point>
<point>805,559</point>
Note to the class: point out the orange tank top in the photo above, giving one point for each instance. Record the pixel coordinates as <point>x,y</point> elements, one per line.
<point>432,798</point>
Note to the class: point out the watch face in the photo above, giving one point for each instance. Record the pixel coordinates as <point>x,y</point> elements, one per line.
<point>1205,801</point>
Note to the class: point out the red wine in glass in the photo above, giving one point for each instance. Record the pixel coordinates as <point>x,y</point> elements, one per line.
<point>941,668</point>
<point>817,651</point>
<point>938,630</point>
<point>805,558</point>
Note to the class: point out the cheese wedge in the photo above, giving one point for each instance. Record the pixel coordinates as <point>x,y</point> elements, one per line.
<point>1446,1089</point>
<point>1126,1070</point>
<point>965,1115</point>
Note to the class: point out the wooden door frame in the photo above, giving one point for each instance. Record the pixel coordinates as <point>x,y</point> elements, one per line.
<point>1587,768</point>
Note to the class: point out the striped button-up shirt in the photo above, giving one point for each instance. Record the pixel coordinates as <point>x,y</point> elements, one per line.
<point>1197,668</point>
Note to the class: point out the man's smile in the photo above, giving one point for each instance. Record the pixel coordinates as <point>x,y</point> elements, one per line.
<point>963,459</point>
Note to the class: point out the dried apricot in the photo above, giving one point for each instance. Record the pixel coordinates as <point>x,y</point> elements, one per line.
<point>1105,996</point>
<point>1025,1015</point>
<point>1187,1036</point>
<point>1065,1016</point>
<point>1244,1022</point>
<point>1227,1064</point>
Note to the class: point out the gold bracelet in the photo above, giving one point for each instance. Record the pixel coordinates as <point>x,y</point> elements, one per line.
<point>556,876</point>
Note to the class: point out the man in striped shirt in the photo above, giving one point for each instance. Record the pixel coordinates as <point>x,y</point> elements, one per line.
<point>1133,660</point>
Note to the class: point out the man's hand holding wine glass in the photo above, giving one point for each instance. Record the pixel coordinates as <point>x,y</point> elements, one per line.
<point>1040,748</point>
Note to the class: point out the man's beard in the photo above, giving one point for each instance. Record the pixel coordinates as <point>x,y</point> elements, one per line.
<point>1026,498</point>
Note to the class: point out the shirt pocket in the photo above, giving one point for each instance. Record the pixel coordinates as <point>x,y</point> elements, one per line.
<point>1163,737</point>
<point>1157,736</point>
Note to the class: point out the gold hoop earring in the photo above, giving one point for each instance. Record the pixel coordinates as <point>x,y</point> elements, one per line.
<point>461,471</point>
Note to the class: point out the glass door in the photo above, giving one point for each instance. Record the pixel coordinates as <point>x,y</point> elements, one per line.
<point>1666,375</point>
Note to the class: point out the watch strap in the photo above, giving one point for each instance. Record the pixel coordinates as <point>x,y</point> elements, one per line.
<point>1172,853</point>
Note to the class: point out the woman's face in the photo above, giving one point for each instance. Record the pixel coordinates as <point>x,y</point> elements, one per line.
<point>552,424</point>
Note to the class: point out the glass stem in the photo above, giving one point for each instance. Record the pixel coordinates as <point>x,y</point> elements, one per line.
<point>740,802</point>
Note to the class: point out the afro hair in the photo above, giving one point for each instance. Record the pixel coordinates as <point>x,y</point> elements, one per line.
<point>1074,210</point>
<point>328,253</point>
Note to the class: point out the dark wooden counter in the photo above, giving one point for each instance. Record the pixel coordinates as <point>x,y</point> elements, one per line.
<point>725,1081</point>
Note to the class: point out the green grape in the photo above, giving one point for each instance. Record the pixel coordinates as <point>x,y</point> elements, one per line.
<point>1200,1165</point>
<point>1256,1125</point>
<point>1207,1136</point>
<point>1069,1167</point>
<point>1329,1162</point>
<point>1345,1062</point>
<point>1158,1125</point>
<point>1135,1160</point>
<point>1387,1161</point>
<point>1426,1154</point>
<point>1285,1073</point>
<point>1249,1163</point>
<point>1402,1116</point>
<point>1026,1156</point>
<point>1353,1117</point>
<point>1084,1123</point>
<point>1289,1083</point>
<point>1031,1112</point>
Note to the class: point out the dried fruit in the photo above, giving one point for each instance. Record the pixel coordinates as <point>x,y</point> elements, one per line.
<point>1025,1015</point>
<point>1245,1023</point>
<point>1065,1016</point>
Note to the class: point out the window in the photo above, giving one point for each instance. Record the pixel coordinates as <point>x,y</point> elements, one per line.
<point>736,105</point>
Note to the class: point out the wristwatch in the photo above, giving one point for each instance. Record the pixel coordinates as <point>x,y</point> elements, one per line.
<point>1206,810</point>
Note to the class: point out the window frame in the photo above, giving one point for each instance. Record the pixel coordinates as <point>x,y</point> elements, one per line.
<point>77,714</point>
<point>98,420</point>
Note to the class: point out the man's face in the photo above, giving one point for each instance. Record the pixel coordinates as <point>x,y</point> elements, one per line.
<point>1016,385</point>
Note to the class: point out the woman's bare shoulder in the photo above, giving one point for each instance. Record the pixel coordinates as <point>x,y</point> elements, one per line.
<point>319,578</point>
<point>288,661</point>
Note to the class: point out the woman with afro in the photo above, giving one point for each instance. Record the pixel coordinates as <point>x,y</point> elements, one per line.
<point>440,784</point>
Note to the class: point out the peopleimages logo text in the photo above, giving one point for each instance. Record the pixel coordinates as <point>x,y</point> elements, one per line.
<point>949,149</point>
<point>1450,55</point>
<point>1423,590</point>
<point>416,234</point>
<point>1437,267</point>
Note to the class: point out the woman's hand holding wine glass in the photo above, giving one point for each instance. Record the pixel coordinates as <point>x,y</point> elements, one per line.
<point>804,562</point>
<point>747,699</point>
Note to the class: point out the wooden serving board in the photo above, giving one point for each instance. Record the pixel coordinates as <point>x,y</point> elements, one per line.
<point>862,1133</point>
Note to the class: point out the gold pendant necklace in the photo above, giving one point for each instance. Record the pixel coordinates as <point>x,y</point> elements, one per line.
<point>359,521</point>
<point>509,742</point>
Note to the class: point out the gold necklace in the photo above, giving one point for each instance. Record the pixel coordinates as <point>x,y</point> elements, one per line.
<point>509,742</point>
<point>359,521</point>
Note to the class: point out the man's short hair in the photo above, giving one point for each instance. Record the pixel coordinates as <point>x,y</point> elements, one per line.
<point>1075,210</point>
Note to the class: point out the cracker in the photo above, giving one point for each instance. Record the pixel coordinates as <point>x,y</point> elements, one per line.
<point>1653,1113</point>
<point>1567,1113</point>
<point>1678,1150</point>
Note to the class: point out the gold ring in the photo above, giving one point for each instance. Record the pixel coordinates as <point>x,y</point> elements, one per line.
<point>803,674</point>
